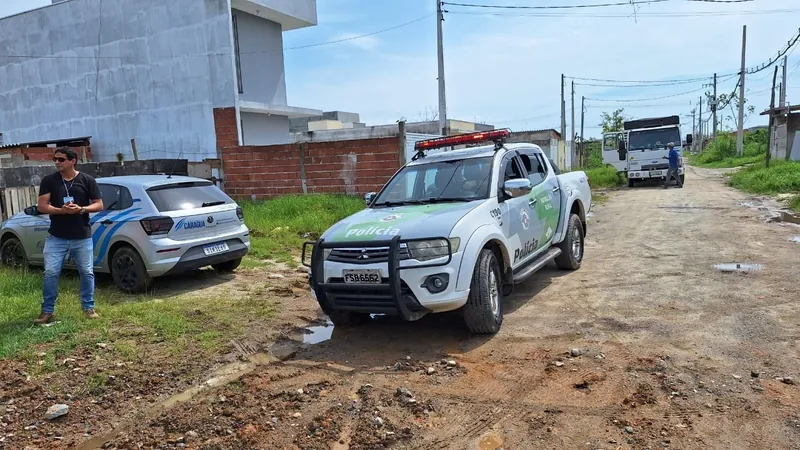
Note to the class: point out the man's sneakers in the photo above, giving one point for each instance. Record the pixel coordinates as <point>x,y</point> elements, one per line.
<point>43,319</point>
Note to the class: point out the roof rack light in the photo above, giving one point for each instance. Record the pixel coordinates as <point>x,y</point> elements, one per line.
<point>498,136</point>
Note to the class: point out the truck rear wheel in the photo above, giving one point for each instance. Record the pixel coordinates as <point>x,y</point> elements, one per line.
<point>483,313</point>
<point>631,182</point>
<point>572,245</point>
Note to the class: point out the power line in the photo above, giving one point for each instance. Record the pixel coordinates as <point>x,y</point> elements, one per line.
<point>625,16</point>
<point>625,100</point>
<point>593,5</point>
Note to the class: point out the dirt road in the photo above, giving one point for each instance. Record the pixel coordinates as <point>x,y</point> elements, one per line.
<point>669,352</point>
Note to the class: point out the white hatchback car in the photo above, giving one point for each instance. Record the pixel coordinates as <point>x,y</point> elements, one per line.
<point>152,225</point>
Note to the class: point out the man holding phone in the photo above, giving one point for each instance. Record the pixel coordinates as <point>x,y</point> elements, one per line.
<point>68,196</point>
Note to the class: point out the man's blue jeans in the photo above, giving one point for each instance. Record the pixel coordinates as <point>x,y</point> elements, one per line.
<point>81,252</point>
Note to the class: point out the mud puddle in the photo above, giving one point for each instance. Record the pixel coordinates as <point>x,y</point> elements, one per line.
<point>317,334</point>
<point>785,217</point>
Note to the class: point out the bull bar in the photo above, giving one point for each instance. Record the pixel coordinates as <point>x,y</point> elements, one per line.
<point>402,304</point>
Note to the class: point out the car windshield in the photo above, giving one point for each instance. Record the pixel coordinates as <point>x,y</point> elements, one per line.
<point>458,180</point>
<point>654,139</point>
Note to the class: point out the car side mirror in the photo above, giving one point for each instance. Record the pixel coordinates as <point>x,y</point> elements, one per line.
<point>32,210</point>
<point>517,187</point>
<point>369,197</point>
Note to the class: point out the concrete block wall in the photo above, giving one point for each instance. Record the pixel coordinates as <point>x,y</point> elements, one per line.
<point>163,66</point>
<point>347,167</point>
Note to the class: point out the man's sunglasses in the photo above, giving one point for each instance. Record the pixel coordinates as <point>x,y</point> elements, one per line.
<point>59,159</point>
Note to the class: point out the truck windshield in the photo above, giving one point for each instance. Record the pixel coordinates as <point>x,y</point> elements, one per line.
<point>459,180</point>
<point>654,139</point>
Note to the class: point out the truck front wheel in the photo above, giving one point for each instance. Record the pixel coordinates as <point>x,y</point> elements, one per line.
<point>572,245</point>
<point>483,312</point>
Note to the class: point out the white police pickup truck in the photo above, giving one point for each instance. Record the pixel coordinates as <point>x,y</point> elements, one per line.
<point>452,230</point>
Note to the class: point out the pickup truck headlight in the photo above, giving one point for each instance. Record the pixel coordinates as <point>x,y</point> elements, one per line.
<point>432,249</point>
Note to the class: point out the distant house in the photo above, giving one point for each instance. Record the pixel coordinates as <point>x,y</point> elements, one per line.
<point>182,77</point>
<point>784,138</point>
<point>548,140</point>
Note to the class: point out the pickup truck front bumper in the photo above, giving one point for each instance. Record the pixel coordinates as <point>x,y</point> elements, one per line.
<point>392,296</point>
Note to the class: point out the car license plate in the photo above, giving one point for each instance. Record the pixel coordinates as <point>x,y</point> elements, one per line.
<point>362,276</point>
<point>656,173</point>
<point>215,248</point>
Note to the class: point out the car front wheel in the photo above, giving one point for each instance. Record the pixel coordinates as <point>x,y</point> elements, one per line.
<point>483,312</point>
<point>128,271</point>
<point>12,254</point>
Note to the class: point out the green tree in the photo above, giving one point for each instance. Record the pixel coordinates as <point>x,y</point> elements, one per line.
<point>613,121</point>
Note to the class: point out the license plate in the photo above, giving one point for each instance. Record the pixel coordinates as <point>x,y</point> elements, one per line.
<point>215,248</point>
<point>656,173</point>
<point>362,276</point>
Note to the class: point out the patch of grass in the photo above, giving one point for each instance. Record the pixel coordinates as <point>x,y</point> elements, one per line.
<point>604,177</point>
<point>279,227</point>
<point>794,203</point>
<point>780,177</point>
<point>722,151</point>
<point>97,383</point>
<point>173,321</point>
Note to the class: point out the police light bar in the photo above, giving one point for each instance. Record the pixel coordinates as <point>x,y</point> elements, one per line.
<point>471,138</point>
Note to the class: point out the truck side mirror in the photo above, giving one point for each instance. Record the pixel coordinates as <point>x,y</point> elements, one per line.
<point>688,138</point>
<point>368,197</point>
<point>623,152</point>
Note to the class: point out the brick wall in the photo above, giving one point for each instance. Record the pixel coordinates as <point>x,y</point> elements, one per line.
<point>43,153</point>
<point>351,167</point>
<point>226,128</point>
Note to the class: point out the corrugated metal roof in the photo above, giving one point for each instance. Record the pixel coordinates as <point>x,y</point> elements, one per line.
<point>57,142</point>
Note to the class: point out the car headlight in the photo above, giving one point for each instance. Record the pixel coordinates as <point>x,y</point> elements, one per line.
<point>432,249</point>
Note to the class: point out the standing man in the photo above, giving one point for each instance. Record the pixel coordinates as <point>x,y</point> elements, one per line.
<point>673,166</point>
<point>68,196</point>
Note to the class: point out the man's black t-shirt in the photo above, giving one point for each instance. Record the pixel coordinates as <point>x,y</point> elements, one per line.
<point>83,189</point>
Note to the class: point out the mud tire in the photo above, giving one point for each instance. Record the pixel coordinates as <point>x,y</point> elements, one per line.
<point>480,316</point>
<point>571,253</point>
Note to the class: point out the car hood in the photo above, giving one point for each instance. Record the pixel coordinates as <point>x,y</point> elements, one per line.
<point>408,222</point>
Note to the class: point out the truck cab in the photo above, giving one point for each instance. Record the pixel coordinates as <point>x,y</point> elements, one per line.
<point>646,147</point>
<point>614,150</point>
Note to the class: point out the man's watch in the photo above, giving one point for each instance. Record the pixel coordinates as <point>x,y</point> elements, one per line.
<point>83,210</point>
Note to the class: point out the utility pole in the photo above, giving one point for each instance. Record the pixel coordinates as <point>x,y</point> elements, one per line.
<point>440,44</point>
<point>771,115</point>
<point>714,107</point>
<point>740,128</point>
<point>783,83</point>
<point>563,112</point>
<point>583,143</point>
<point>572,132</point>
<point>700,123</point>
<point>694,130</point>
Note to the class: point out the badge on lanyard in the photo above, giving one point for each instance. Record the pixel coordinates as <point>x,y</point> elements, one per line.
<point>68,199</point>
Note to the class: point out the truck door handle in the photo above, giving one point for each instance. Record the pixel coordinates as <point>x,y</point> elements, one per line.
<point>556,189</point>
<point>532,201</point>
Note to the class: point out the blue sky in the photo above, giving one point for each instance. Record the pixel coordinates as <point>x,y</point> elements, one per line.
<point>505,70</point>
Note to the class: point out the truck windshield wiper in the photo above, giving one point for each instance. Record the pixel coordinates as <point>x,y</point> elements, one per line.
<point>406,202</point>
<point>216,203</point>
<point>451,199</point>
